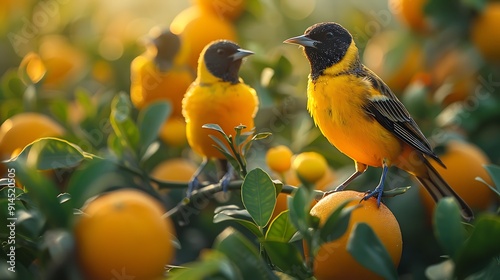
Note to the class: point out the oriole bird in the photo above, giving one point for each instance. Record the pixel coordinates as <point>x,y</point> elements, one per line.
<point>358,113</point>
<point>161,73</point>
<point>218,96</point>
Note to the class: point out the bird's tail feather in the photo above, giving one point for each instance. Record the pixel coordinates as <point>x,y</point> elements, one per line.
<point>438,188</point>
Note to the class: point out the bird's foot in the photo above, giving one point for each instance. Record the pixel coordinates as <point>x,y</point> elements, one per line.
<point>378,192</point>
<point>193,184</point>
<point>226,179</point>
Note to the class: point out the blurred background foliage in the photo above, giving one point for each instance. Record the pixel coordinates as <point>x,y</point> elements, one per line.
<point>64,61</point>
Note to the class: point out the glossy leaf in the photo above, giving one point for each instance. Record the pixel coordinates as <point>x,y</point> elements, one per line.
<point>494,171</point>
<point>281,228</point>
<point>337,223</point>
<point>287,258</point>
<point>448,226</point>
<point>299,214</point>
<point>480,248</point>
<point>90,180</point>
<point>52,153</point>
<point>213,126</point>
<point>121,121</point>
<point>258,196</point>
<point>42,191</point>
<point>150,121</point>
<point>222,217</point>
<point>243,255</point>
<point>368,250</point>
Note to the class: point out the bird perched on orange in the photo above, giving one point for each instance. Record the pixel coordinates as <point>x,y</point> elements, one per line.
<point>160,73</point>
<point>358,113</point>
<point>217,96</point>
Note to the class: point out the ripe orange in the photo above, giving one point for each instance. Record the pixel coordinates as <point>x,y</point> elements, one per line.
<point>176,169</point>
<point>63,61</point>
<point>32,67</point>
<point>24,128</point>
<point>485,34</point>
<point>410,13</point>
<point>228,9</point>
<point>310,166</point>
<point>173,132</point>
<point>464,162</point>
<point>333,261</point>
<point>279,158</point>
<point>198,28</point>
<point>454,73</point>
<point>124,233</point>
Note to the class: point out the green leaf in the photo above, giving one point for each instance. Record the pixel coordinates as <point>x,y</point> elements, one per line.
<point>337,223</point>
<point>59,243</point>
<point>396,191</point>
<point>42,191</point>
<point>298,210</point>
<point>258,196</point>
<point>448,226</point>
<point>478,5</point>
<point>222,217</point>
<point>150,121</point>
<point>281,228</point>
<point>84,99</point>
<point>212,262</point>
<point>243,255</point>
<point>95,177</point>
<point>217,128</point>
<point>494,171</point>
<point>52,153</point>
<point>121,121</point>
<point>214,126</point>
<point>368,250</point>
<point>287,258</point>
<point>261,135</point>
<point>59,109</point>
<point>29,224</point>
<point>480,248</point>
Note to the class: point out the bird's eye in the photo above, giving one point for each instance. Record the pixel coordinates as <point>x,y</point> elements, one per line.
<point>220,51</point>
<point>329,35</point>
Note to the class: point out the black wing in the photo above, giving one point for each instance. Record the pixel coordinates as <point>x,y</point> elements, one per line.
<point>391,114</point>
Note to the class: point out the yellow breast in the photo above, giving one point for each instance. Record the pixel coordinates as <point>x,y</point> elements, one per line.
<point>336,104</point>
<point>225,104</point>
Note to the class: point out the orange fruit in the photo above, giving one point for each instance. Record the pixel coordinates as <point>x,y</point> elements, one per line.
<point>24,128</point>
<point>32,67</point>
<point>394,58</point>
<point>310,166</point>
<point>124,232</point>
<point>454,74</point>
<point>228,9</point>
<point>410,13</point>
<point>173,132</point>
<point>484,32</point>
<point>63,61</point>
<point>464,162</point>
<point>198,28</point>
<point>176,169</point>
<point>333,261</point>
<point>279,158</point>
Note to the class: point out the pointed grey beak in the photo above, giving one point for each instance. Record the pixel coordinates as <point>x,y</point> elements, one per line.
<point>302,40</point>
<point>241,53</point>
